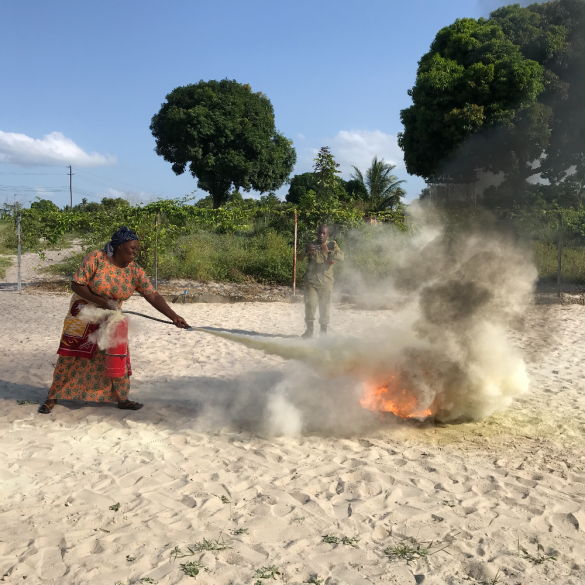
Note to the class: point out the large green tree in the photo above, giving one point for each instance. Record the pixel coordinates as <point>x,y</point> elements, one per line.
<point>473,78</point>
<point>502,94</point>
<point>225,135</point>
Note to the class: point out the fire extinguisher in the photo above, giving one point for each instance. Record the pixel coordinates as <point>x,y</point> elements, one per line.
<point>115,363</point>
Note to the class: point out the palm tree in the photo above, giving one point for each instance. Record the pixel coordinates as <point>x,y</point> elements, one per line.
<point>384,191</point>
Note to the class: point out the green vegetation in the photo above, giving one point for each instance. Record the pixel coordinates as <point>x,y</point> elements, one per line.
<point>225,134</point>
<point>191,568</point>
<point>7,236</point>
<point>411,550</point>
<point>4,264</point>
<point>539,558</point>
<point>505,95</point>
<point>269,572</point>
<point>380,189</point>
<point>332,539</point>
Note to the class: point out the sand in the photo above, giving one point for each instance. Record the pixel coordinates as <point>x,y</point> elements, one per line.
<point>199,462</point>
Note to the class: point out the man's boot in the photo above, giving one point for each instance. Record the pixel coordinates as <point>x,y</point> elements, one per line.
<point>323,330</point>
<point>309,332</point>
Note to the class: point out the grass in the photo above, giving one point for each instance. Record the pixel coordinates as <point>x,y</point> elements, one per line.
<point>410,550</point>
<point>7,237</point>
<point>332,539</point>
<point>27,401</point>
<point>244,258</point>
<point>493,581</point>
<point>315,581</point>
<point>540,557</point>
<point>572,262</point>
<point>239,531</point>
<point>5,263</point>
<point>115,507</point>
<point>269,572</point>
<point>211,545</point>
<point>191,568</point>
<point>148,580</point>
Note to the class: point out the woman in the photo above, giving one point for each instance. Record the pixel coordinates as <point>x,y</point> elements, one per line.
<point>103,280</point>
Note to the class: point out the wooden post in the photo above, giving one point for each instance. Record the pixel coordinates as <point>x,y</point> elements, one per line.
<point>156,252</point>
<point>295,258</point>
<point>18,222</point>
<point>70,189</point>
<point>559,276</point>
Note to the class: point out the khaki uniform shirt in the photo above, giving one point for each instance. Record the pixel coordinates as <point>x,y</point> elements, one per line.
<point>320,267</point>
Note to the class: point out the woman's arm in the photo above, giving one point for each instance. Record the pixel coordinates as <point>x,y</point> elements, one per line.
<point>161,305</point>
<point>84,292</point>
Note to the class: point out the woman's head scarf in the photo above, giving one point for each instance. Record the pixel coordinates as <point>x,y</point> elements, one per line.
<point>118,238</point>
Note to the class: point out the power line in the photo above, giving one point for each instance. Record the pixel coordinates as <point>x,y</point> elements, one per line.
<point>32,189</point>
<point>38,174</point>
<point>113,180</point>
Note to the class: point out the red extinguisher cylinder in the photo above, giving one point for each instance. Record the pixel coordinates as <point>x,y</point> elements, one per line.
<point>116,354</point>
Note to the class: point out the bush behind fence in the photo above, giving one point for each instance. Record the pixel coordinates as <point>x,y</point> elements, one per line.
<point>253,243</point>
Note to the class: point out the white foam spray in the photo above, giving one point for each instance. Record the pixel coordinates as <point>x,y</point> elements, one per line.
<point>106,335</point>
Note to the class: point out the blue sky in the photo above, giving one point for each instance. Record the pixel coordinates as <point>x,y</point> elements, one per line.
<point>81,81</point>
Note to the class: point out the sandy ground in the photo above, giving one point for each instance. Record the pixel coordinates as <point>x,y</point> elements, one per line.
<point>198,467</point>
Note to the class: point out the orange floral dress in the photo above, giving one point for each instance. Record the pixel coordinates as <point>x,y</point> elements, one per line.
<point>80,373</point>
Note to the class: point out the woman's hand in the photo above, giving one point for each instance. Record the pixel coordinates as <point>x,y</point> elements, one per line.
<point>180,322</point>
<point>161,305</point>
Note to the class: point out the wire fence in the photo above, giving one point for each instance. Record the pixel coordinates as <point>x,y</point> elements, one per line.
<point>22,267</point>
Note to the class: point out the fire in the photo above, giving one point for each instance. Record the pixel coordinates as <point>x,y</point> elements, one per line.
<point>392,396</point>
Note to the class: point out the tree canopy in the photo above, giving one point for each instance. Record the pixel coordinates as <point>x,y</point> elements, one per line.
<point>225,135</point>
<point>502,94</point>
<point>299,185</point>
<point>44,205</point>
<point>382,188</point>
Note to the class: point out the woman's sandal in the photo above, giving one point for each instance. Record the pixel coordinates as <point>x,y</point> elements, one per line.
<point>129,405</point>
<point>47,407</point>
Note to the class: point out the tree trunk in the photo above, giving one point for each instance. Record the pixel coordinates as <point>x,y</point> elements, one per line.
<point>220,197</point>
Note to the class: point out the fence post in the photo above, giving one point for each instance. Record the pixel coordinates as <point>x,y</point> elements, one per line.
<point>559,275</point>
<point>156,252</point>
<point>18,221</point>
<point>295,258</point>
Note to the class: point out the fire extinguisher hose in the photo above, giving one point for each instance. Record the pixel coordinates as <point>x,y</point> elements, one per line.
<point>147,317</point>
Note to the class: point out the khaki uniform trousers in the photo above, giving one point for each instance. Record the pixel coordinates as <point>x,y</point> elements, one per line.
<point>317,296</point>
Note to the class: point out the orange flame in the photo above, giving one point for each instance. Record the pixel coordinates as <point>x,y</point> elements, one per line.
<point>392,396</point>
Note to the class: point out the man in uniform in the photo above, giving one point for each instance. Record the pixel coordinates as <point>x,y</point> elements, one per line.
<point>321,256</point>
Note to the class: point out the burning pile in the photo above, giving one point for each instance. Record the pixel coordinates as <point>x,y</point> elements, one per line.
<point>393,396</point>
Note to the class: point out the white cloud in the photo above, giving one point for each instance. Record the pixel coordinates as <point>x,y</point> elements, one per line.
<point>52,149</point>
<point>358,148</point>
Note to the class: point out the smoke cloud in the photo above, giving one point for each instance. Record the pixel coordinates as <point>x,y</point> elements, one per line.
<point>447,350</point>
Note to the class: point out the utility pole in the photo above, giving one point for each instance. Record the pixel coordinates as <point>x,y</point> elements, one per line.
<point>70,189</point>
